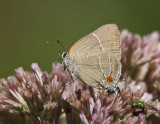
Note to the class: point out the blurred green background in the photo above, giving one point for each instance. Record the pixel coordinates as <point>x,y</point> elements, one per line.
<point>25,26</point>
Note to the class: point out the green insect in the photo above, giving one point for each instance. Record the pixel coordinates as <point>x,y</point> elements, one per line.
<point>141,107</point>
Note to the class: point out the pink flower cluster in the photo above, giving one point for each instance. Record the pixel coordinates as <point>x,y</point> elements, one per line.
<point>42,98</point>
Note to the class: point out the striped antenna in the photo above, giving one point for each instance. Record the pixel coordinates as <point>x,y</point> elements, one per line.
<point>53,45</point>
<point>60,44</point>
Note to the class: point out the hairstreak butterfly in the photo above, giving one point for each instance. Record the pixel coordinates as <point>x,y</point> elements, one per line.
<point>95,58</point>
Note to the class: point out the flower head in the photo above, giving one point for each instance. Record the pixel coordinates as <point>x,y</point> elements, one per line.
<point>141,59</point>
<point>44,98</point>
<point>37,94</point>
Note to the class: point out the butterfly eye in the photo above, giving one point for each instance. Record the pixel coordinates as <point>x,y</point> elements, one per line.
<point>64,54</point>
<point>109,79</point>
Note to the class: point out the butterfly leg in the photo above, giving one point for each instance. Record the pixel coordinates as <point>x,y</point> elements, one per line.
<point>73,78</point>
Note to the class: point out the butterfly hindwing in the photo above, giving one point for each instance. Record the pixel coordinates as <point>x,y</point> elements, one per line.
<point>90,71</point>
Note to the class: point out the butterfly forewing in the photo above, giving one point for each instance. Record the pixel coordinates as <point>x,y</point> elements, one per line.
<point>98,54</point>
<point>105,38</point>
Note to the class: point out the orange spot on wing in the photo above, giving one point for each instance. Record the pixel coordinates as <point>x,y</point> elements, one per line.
<point>109,79</point>
<point>71,48</point>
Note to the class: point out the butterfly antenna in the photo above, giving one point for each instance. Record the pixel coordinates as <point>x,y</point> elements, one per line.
<point>60,44</point>
<point>60,52</point>
<point>53,45</point>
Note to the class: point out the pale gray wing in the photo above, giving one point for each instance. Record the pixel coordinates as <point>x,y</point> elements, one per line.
<point>105,38</point>
<point>93,51</point>
<point>91,69</point>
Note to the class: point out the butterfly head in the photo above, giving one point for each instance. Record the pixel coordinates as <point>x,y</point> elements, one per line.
<point>64,54</point>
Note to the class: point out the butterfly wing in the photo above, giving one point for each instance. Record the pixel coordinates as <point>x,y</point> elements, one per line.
<point>105,38</point>
<point>97,54</point>
<point>89,70</point>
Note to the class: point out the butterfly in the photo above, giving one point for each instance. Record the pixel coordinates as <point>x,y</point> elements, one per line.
<point>95,58</point>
